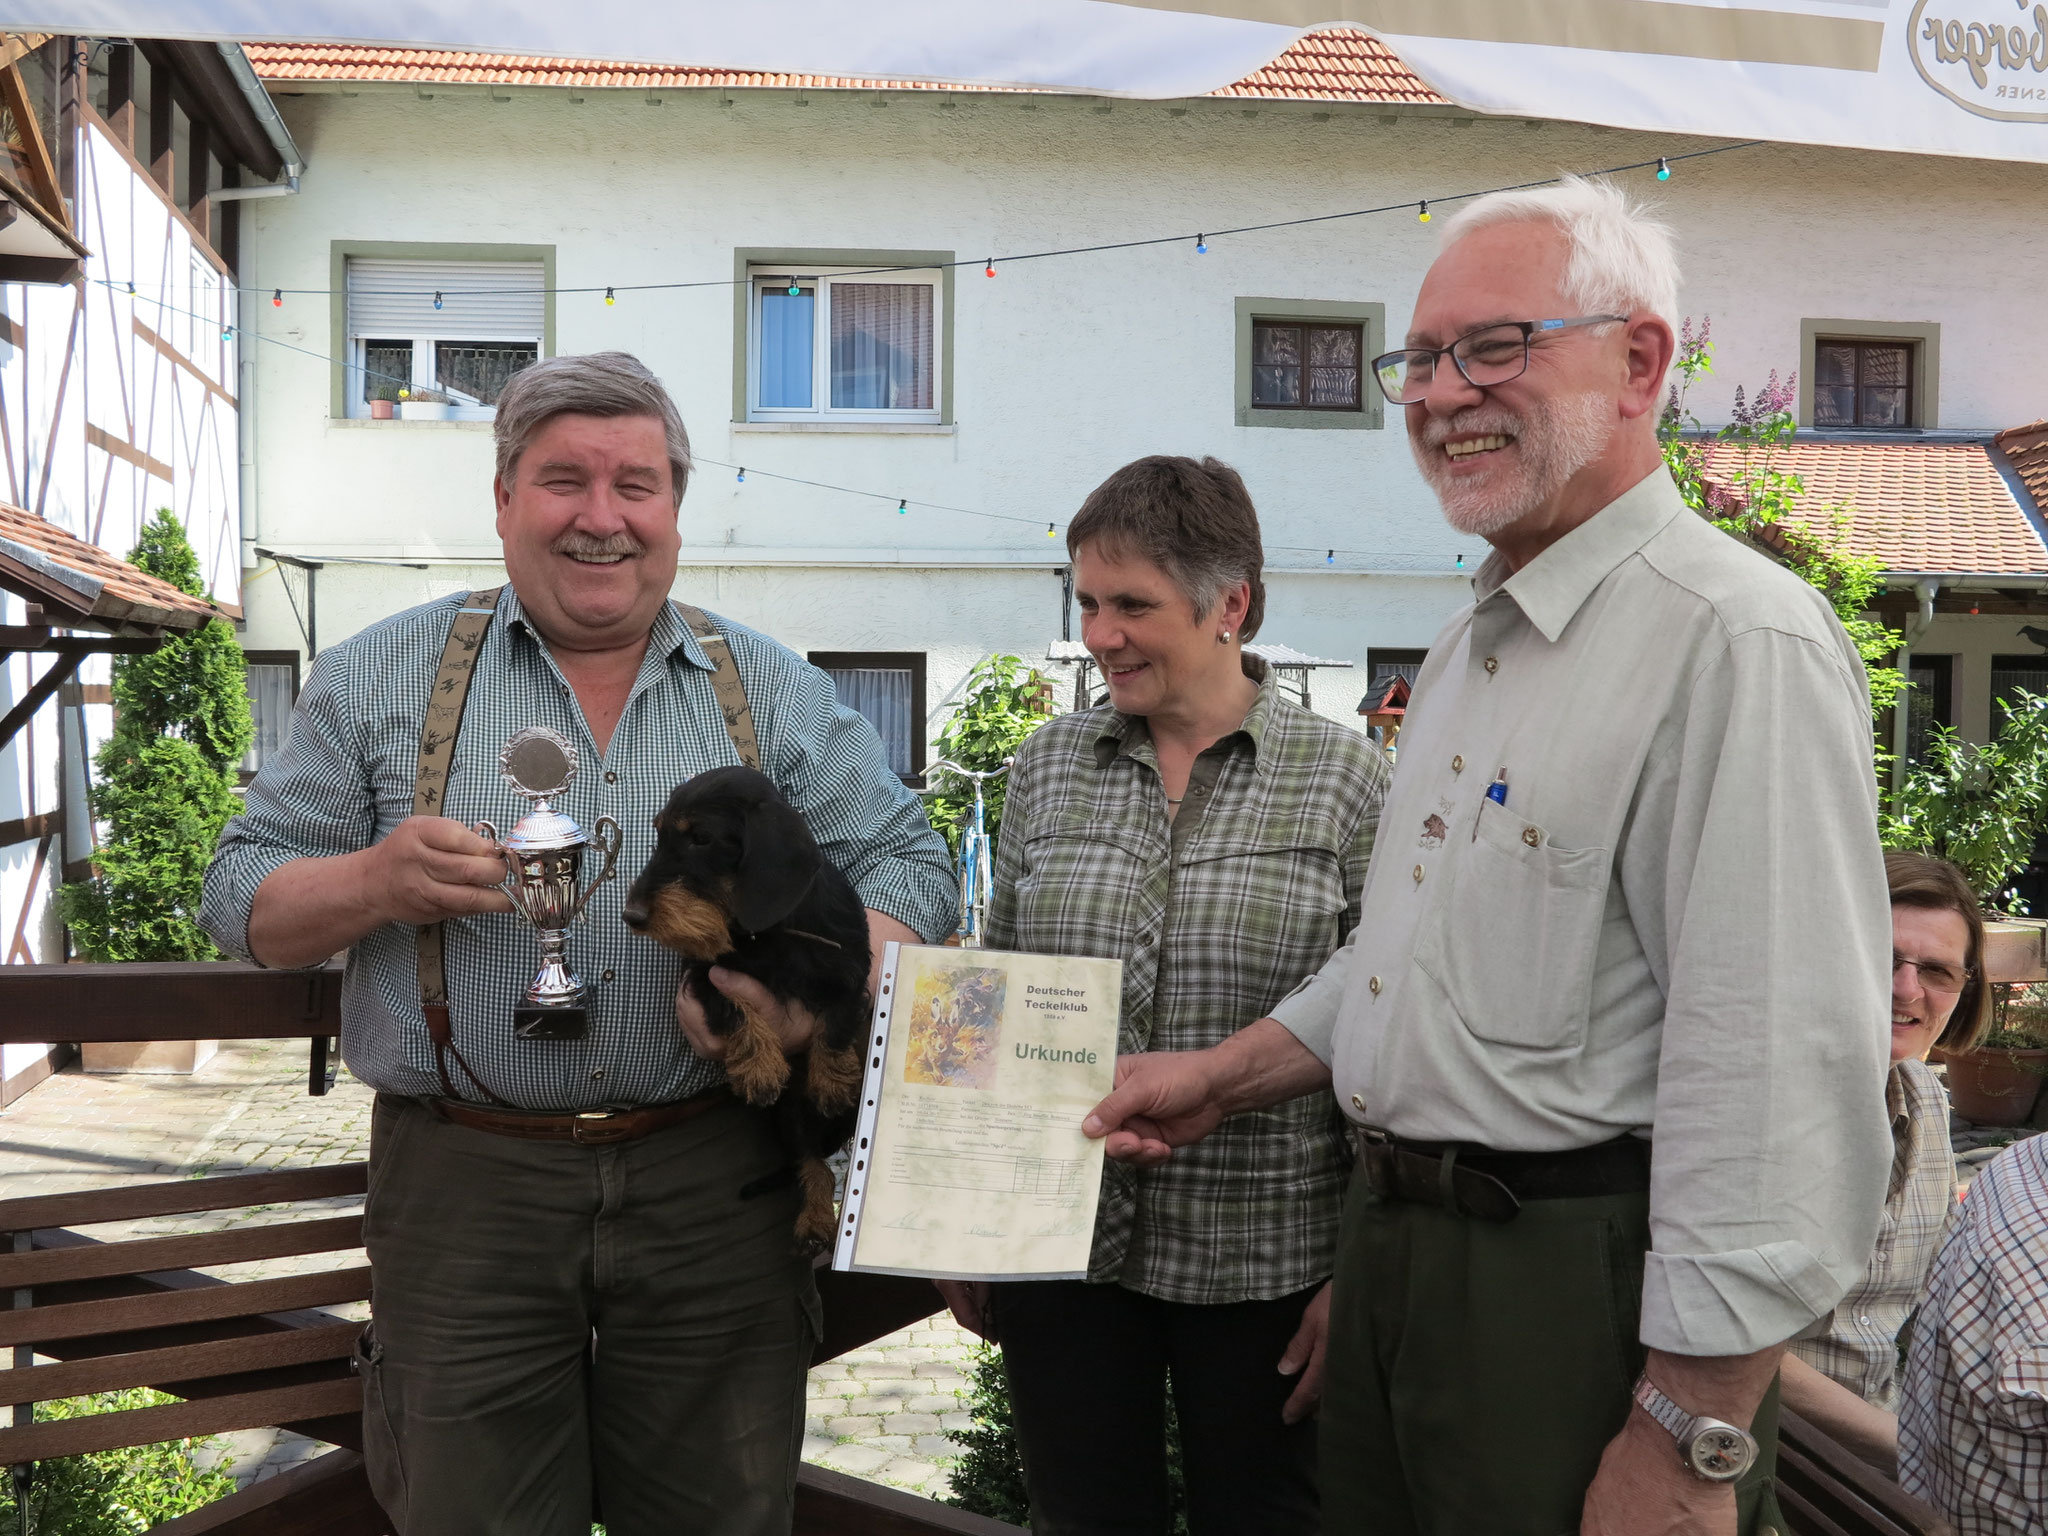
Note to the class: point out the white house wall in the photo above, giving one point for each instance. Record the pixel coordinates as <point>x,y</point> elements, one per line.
<point>1063,368</point>
<point>111,406</point>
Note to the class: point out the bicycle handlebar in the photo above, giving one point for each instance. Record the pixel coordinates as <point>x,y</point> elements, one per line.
<point>969,773</point>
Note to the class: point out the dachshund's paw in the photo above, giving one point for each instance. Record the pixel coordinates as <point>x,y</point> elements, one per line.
<point>818,1219</point>
<point>754,1062</point>
<point>832,1077</point>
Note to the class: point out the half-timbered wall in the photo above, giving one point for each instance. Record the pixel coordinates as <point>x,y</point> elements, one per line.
<point>113,404</point>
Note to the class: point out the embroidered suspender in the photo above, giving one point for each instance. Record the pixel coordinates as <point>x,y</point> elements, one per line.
<point>726,684</point>
<point>430,789</point>
<point>437,756</point>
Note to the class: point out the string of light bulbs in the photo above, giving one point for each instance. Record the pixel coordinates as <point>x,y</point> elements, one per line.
<point>904,504</point>
<point>1662,165</point>
<point>229,330</point>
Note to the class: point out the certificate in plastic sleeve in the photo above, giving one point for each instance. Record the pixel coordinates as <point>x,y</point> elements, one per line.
<point>968,1162</point>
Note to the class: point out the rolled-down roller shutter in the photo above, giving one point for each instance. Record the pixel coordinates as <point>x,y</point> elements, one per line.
<point>480,300</point>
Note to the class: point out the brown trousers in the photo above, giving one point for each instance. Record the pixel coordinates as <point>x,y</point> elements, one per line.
<point>555,1321</point>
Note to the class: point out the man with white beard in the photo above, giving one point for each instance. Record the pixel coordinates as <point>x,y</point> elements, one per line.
<point>1610,1028</point>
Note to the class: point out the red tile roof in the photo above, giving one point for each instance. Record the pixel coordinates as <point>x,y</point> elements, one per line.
<point>1932,507</point>
<point>2026,449</point>
<point>1322,66</point>
<point>75,580</point>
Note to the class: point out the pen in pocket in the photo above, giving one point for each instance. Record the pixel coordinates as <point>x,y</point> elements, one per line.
<point>1497,792</point>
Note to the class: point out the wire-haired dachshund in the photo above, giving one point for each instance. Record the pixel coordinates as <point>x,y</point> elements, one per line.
<point>737,881</point>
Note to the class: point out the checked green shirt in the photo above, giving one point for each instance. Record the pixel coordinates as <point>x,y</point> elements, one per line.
<point>345,778</point>
<point>1217,916</point>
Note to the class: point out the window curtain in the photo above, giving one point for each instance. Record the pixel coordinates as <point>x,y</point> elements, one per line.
<point>882,346</point>
<point>786,348</point>
<point>883,695</point>
<point>270,706</point>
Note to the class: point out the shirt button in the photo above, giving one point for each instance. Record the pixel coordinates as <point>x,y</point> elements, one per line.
<point>608,975</point>
<point>1531,836</point>
<point>1457,765</point>
<point>1863,1321</point>
<point>1418,874</point>
<point>611,778</point>
<point>597,1074</point>
<point>1358,1102</point>
<point>1372,985</point>
<point>1493,664</point>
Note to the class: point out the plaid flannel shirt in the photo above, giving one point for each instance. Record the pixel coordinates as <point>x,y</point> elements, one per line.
<point>345,778</point>
<point>1973,1431</point>
<point>1217,916</point>
<point>1861,1346</point>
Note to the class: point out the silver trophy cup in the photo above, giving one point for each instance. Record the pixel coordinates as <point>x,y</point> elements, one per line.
<point>543,856</point>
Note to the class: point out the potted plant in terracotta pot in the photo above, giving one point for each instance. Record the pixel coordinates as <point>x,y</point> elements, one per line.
<point>1998,1082</point>
<point>1983,808</point>
<point>420,404</point>
<point>383,401</point>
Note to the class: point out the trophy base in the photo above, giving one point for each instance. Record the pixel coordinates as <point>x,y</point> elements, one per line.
<point>537,1021</point>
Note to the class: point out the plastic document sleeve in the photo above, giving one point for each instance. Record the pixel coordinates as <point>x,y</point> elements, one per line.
<point>968,1161</point>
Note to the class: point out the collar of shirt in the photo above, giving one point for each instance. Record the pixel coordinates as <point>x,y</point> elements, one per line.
<point>665,637</point>
<point>1552,588</point>
<point>1131,736</point>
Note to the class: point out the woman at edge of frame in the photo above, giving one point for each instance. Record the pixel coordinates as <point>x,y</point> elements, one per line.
<point>1213,836</point>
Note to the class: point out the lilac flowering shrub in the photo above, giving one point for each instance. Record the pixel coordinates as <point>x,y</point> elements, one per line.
<point>1743,489</point>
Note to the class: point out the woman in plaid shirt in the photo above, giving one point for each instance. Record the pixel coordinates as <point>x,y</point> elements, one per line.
<point>1213,836</point>
<point>1847,1379</point>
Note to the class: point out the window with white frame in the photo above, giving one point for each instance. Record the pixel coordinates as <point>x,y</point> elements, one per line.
<point>844,345</point>
<point>441,330</point>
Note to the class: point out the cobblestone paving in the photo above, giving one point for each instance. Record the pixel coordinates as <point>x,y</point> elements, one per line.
<point>883,1412</point>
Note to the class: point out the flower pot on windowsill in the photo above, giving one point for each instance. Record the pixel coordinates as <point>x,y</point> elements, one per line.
<point>383,410</point>
<point>1995,1084</point>
<point>426,410</point>
<point>2014,949</point>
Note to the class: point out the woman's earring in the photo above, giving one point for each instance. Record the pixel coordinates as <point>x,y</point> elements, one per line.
<point>1224,638</point>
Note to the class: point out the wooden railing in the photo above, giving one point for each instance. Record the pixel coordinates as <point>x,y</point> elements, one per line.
<point>249,1353</point>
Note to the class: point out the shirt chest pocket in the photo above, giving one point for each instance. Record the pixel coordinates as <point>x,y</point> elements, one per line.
<point>1082,889</point>
<point>1512,940</point>
<point>1275,898</point>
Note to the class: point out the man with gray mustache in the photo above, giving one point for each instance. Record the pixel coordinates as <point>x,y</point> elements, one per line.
<point>586,1277</point>
<point>1610,1027</point>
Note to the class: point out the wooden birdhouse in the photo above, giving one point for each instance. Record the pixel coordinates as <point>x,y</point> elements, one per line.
<point>1384,708</point>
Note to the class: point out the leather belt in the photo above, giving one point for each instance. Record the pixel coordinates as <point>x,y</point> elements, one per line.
<point>587,1128</point>
<point>1475,1181</point>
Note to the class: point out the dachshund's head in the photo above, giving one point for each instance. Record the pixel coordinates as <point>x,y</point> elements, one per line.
<point>730,855</point>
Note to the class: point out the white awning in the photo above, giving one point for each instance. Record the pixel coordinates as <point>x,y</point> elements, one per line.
<point>1946,77</point>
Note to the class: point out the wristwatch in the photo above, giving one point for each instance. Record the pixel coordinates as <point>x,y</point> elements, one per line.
<point>1711,1450</point>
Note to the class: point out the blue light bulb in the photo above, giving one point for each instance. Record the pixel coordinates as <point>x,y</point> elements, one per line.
<point>1201,245</point>
<point>1663,169</point>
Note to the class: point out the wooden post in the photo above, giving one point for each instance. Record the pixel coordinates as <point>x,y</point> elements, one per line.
<point>121,93</point>
<point>198,201</point>
<point>163,85</point>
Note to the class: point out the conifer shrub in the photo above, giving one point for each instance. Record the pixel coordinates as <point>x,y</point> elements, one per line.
<point>164,781</point>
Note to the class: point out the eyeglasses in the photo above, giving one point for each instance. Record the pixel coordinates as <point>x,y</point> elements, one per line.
<point>1491,355</point>
<point>1934,975</point>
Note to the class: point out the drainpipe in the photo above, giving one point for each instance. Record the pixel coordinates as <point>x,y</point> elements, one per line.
<point>1926,587</point>
<point>280,137</point>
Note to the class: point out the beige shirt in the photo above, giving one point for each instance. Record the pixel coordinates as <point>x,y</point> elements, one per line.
<point>1861,1346</point>
<point>1675,925</point>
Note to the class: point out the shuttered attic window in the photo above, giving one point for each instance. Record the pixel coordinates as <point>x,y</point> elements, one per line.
<point>488,323</point>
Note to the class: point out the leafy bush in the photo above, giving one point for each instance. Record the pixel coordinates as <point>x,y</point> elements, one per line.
<point>1979,807</point>
<point>1005,702</point>
<point>989,1478</point>
<point>112,1493</point>
<point>165,779</point>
